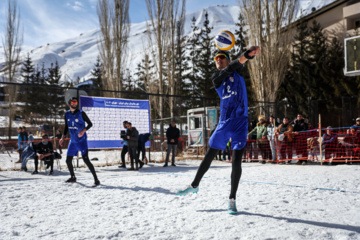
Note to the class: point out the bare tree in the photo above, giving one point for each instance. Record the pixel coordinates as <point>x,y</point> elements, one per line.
<point>176,21</point>
<point>267,21</point>
<point>114,24</point>
<point>12,43</point>
<point>158,39</point>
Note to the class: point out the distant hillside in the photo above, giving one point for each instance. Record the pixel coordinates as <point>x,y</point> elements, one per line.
<point>77,56</point>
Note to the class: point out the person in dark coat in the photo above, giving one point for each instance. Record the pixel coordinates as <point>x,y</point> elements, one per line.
<point>172,135</point>
<point>132,136</point>
<point>300,126</point>
<point>143,138</point>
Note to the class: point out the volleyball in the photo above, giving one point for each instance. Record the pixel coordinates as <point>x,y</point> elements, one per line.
<point>224,40</point>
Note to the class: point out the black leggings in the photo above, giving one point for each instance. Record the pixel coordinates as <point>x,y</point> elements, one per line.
<point>86,161</point>
<point>235,173</point>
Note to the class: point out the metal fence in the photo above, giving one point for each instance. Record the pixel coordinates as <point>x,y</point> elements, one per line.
<point>43,114</point>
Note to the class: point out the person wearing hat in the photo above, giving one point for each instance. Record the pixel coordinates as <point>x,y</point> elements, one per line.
<point>75,120</point>
<point>300,136</point>
<point>285,136</point>
<point>357,124</point>
<point>260,132</point>
<point>233,122</point>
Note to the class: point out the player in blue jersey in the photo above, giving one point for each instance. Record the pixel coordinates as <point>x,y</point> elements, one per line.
<point>75,123</point>
<point>233,123</point>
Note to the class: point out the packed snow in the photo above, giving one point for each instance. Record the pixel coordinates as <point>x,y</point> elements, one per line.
<point>274,202</point>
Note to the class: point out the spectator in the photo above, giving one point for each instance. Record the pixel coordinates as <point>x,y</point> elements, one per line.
<point>261,135</point>
<point>44,151</point>
<point>253,149</point>
<point>143,138</point>
<point>21,143</point>
<point>300,136</point>
<point>132,137</point>
<point>330,143</point>
<point>357,125</point>
<point>58,137</point>
<point>285,136</point>
<point>25,134</point>
<point>211,133</point>
<point>172,135</point>
<point>271,137</point>
<point>125,148</point>
<point>227,151</point>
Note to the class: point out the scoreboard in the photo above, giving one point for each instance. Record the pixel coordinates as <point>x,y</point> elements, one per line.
<point>107,116</point>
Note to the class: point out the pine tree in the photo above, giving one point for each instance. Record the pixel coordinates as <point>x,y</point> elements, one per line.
<point>295,88</point>
<point>27,94</point>
<point>96,73</point>
<point>55,100</point>
<point>206,65</point>
<point>192,51</point>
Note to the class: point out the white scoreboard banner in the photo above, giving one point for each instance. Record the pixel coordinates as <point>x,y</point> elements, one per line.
<point>107,116</point>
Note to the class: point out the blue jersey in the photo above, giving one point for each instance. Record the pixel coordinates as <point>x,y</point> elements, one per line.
<point>75,124</point>
<point>233,97</point>
<point>233,123</point>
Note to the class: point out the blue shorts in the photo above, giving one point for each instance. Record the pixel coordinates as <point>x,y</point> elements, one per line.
<point>75,147</point>
<point>236,129</point>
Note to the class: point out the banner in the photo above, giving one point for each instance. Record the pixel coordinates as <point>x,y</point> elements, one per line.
<point>107,116</point>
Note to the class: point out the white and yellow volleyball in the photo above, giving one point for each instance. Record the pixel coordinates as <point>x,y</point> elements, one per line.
<point>224,40</point>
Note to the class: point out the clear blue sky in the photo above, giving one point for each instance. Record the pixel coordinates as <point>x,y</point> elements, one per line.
<point>48,21</point>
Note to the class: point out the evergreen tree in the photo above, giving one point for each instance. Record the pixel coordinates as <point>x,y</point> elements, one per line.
<point>192,51</point>
<point>295,87</point>
<point>27,94</point>
<point>55,100</point>
<point>205,62</point>
<point>96,73</point>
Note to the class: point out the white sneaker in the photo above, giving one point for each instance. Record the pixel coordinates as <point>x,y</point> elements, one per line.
<point>232,206</point>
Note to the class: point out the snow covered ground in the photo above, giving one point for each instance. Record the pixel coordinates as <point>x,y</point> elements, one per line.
<point>274,202</point>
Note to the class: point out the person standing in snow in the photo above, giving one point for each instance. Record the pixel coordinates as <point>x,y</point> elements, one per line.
<point>233,123</point>
<point>75,123</point>
<point>172,135</point>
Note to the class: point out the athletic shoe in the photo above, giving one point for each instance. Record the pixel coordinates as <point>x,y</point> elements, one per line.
<point>173,164</point>
<point>141,164</point>
<point>97,183</point>
<point>165,165</point>
<point>232,206</point>
<point>122,166</point>
<point>51,173</point>
<point>19,161</point>
<point>186,190</point>
<point>35,172</point>
<point>71,180</point>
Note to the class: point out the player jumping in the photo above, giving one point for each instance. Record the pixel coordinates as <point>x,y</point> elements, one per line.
<point>233,121</point>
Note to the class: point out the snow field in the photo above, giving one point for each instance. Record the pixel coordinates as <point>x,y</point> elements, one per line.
<point>143,204</point>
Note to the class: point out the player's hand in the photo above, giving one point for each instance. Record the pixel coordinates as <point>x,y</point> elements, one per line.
<point>128,137</point>
<point>255,50</point>
<point>61,142</point>
<point>81,133</point>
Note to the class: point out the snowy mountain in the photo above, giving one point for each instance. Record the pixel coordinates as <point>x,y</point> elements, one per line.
<point>77,56</point>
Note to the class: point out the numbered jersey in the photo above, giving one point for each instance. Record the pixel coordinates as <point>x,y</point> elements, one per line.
<point>75,124</point>
<point>232,92</point>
